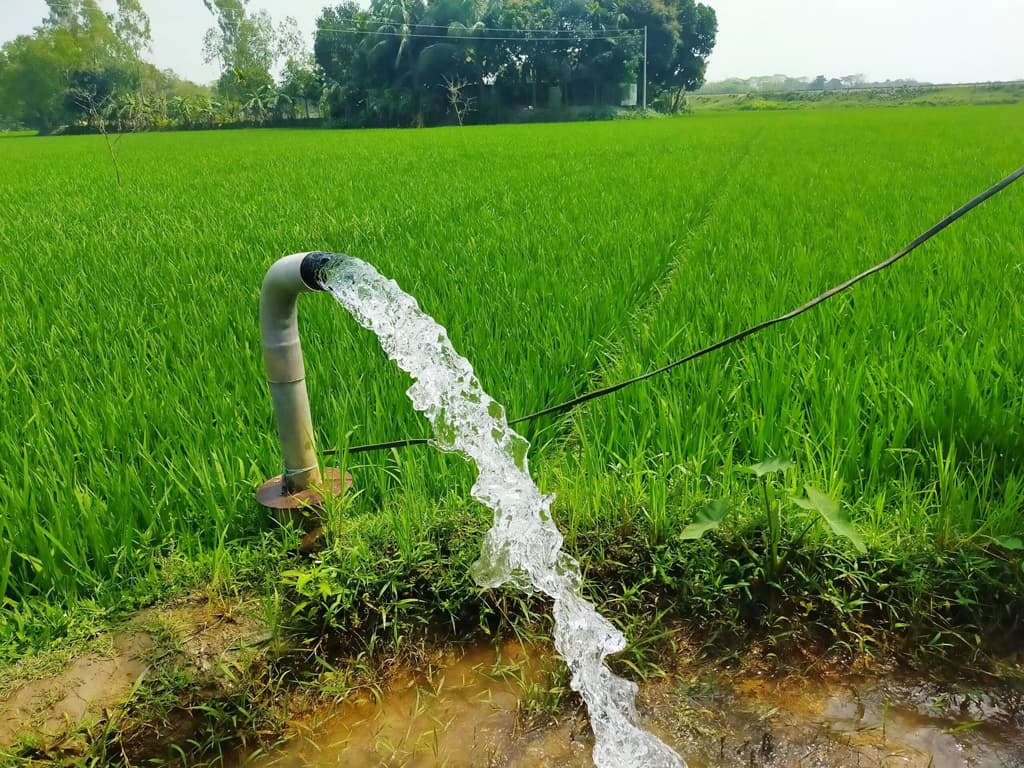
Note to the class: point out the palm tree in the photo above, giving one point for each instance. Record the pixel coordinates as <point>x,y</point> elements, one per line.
<point>465,20</point>
<point>403,23</point>
<point>399,28</point>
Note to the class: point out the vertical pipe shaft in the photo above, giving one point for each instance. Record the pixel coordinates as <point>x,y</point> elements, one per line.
<point>286,374</point>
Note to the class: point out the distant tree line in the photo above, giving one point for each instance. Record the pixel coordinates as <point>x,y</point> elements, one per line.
<point>787,84</point>
<point>396,63</point>
<point>403,62</point>
<point>82,65</point>
<point>84,68</point>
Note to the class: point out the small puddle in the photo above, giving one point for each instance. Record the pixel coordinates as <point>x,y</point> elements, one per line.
<point>488,708</point>
<point>468,708</point>
<point>861,720</point>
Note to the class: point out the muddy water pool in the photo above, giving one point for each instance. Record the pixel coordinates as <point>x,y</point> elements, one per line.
<point>489,706</point>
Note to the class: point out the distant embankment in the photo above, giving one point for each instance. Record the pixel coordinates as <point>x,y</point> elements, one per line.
<point>919,95</point>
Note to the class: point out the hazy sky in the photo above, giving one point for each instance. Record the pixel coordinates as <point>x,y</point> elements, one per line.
<point>935,40</point>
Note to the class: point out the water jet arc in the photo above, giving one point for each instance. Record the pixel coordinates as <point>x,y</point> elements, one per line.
<point>301,483</point>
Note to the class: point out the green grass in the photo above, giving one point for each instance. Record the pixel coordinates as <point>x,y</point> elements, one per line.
<point>136,422</point>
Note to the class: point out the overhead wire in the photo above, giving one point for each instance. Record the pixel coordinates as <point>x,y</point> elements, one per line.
<point>526,34</point>
<point>552,30</point>
<point>439,36</point>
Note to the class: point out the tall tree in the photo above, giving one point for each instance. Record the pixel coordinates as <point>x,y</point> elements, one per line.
<point>243,44</point>
<point>34,79</point>
<point>291,43</point>
<point>79,54</point>
<point>133,28</point>
<point>342,57</point>
<point>680,37</point>
<point>302,82</point>
<point>698,25</point>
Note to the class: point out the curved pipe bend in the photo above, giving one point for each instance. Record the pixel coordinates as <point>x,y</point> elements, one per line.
<point>286,373</point>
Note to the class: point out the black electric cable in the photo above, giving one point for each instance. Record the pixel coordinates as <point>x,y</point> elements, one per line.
<point>603,391</point>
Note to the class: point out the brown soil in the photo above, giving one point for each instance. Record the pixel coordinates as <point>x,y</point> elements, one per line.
<point>50,707</point>
<point>55,711</point>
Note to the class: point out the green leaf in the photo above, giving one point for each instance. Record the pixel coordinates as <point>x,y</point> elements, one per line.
<point>833,514</point>
<point>708,518</point>
<point>1013,543</point>
<point>965,726</point>
<point>770,466</point>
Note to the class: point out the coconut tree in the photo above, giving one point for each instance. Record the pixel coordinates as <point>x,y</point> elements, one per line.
<point>467,22</point>
<point>393,53</point>
<point>401,19</point>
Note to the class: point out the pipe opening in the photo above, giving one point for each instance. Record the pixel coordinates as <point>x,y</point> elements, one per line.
<point>313,269</point>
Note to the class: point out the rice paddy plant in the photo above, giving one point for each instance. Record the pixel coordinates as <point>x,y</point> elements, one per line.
<point>136,422</point>
<point>135,410</point>
<point>900,384</point>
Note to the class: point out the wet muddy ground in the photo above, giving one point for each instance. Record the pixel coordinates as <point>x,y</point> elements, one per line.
<point>55,703</point>
<point>483,707</point>
<point>502,707</point>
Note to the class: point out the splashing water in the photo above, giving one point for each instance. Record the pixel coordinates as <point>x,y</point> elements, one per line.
<point>524,546</point>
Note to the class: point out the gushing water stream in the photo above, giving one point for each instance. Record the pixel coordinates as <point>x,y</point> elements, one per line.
<point>524,545</point>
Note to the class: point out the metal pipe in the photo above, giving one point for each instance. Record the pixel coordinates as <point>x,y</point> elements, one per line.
<point>286,374</point>
<point>645,69</point>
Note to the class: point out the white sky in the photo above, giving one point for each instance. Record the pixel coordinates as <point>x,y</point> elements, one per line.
<point>934,40</point>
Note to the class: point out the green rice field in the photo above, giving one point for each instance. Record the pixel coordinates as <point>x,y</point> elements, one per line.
<point>136,421</point>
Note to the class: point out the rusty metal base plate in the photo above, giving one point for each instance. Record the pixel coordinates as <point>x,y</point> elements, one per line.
<point>272,496</point>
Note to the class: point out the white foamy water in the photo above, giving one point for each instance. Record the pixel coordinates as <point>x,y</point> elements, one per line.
<point>524,546</point>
